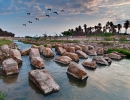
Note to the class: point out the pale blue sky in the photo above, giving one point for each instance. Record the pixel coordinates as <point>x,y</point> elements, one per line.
<point>13,14</point>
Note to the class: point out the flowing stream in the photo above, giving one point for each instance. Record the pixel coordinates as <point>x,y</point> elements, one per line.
<point>105,83</point>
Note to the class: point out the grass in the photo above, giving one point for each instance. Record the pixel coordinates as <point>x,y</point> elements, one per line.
<point>2,95</point>
<point>66,41</point>
<point>123,51</point>
<point>4,41</point>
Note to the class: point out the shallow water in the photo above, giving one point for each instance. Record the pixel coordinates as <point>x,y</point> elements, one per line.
<point>105,83</point>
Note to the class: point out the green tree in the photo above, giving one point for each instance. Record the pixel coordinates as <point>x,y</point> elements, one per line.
<point>126,25</point>
<point>66,33</point>
<point>119,26</point>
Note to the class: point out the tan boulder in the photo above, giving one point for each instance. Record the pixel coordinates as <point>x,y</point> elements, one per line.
<point>77,47</point>
<point>60,50</point>
<point>5,48</point>
<point>92,52</point>
<point>84,48</point>
<point>90,47</point>
<point>89,64</point>
<point>48,52</point>
<point>15,54</point>
<point>113,56</point>
<point>34,46</point>
<point>100,60</point>
<point>70,49</point>
<point>99,51</point>
<point>43,80</point>
<point>41,47</point>
<point>49,46</point>
<point>34,52</point>
<point>75,70</point>
<point>25,51</point>
<point>37,62</point>
<point>81,54</point>
<point>10,66</point>
<point>63,59</point>
<point>57,45</point>
<point>73,56</point>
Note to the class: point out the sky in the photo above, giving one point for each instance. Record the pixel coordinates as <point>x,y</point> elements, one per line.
<point>13,14</point>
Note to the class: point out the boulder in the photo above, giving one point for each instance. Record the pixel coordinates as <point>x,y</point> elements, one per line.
<point>122,55</point>
<point>34,46</point>
<point>5,48</point>
<point>34,52</point>
<point>15,54</point>
<point>48,52</point>
<point>37,62</point>
<point>10,66</point>
<point>43,80</point>
<point>92,52</point>
<point>41,47</point>
<point>89,64</point>
<point>84,48</point>
<point>99,51</point>
<point>70,49</point>
<point>100,60</point>
<point>73,56</point>
<point>81,54</point>
<point>75,70</point>
<point>108,59</point>
<point>49,46</point>
<point>60,50</point>
<point>57,45</point>
<point>90,47</point>
<point>113,56</point>
<point>77,47</point>
<point>63,59</point>
<point>105,50</point>
<point>25,52</point>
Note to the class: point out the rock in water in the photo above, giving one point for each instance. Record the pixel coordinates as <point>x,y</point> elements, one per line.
<point>25,52</point>
<point>41,47</point>
<point>113,56</point>
<point>34,53</point>
<point>37,62</point>
<point>49,46</point>
<point>15,54</point>
<point>5,48</point>
<point>48,52</point>
<point>100,60</point>
<point>43,80</point>
<point>10,66</point>
<point>91,64</point>
<point>81,54</point>
<point>60,50</point>
<point>73,56</point>
<point>63,59</point>
<point>75,70</point>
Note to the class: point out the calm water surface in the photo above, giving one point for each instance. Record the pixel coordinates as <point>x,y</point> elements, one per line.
<point>105,83</point>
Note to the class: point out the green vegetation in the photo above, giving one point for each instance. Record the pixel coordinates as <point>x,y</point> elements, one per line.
<point>4,41</point>
<point>108,39</point>
<point>123,39</point>
<point>2,95</point>
<point>66,33</point>
<point>123,51</point>
<point>66,41</point>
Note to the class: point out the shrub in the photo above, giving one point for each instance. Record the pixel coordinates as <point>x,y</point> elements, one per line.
<point>2,96</point>
<point>123,39</point>
<point>108,39</point>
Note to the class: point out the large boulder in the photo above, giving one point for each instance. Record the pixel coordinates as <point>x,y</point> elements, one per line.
<point>41,47</point>
<point>43,80</point>
<point>108,59</point>
<point>122,55</point>
<point>84,48</point>
<point>34,46</point>
<point>15,54</point>
<point>73,56</point>
<point>92,52</point>
<point>25,51</point>
<point>34,52</point>
<point>75,70</point>
<point>113,56</point>
<point>81,54</point>
<point>48,52</point>
<point>10,66</point>
<point>90,47</point>
<point>99,51</point>
<point>60,50</point>
<point>100,60</point>
<point>5,48</point>
<point>49,46</point>
<point>63,59</point>
<point>77,47</point>
<point>89,64</point>
<point>57,45</point>
<point>37,62</point>
<point>70,49</point>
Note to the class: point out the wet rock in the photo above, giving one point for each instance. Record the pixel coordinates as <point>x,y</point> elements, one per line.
<point>15,54</point>
<point>75,70</point>
<point>100,60</point>
<point>34,52</point>
<point>81,54</point>
<point>105,50</point>
<point>113,56</point>
<point>43,80</point>
<point>77,47</point>
<point>108,59</point>
<point>41,47</point>
<point>99,51</point>
<point>122,55</point>
<point>73,56</point>
<point>84,48</point>
<point>48,52</point>
<point>70,49</point>
<point>49,46</point>
<point>5,48</point>
<point>92,52</point>
<point>25,51</point>
<point>90,47</point>
<point>60,50</point>
<point>37,62</point>
<point>10,66</point>
<point>89,64</point>
<point>63,59</point>
<point>57,45</point>
<point>34,46</point>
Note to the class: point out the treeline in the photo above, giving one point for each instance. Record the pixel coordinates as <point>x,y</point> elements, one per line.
<point>6,33</point>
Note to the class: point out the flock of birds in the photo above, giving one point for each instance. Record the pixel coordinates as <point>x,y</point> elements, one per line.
<point>46,15</point>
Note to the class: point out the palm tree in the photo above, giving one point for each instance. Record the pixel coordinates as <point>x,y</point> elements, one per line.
<point>80,29</point>
<point>85,28</point>
<point>126,25</point>
<point>99,26</point>
<point>66,33</point>
<point>119,26</point>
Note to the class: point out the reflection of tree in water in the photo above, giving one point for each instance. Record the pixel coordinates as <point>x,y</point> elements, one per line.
<point>10,79</point>
<point>76,82</point>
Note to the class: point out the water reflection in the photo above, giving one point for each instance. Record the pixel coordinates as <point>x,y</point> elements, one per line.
<point>76,82</point>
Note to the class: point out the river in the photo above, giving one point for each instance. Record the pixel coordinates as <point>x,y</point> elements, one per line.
<point>105,83</point>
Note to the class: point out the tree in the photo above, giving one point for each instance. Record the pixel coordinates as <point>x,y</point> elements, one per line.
<point>119,26</point>
<point>126,25</point>
<point>66,33</point>
<point>85,28</point>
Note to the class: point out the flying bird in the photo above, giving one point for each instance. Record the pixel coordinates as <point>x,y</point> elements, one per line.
<point>62,11</point>
<point>49,9</point>
<point>56,13</point>
<point>47,15</point>
<point>37,18</point>
<point>29,21</point>
<point>28,13</point>
<point>24,24</point>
